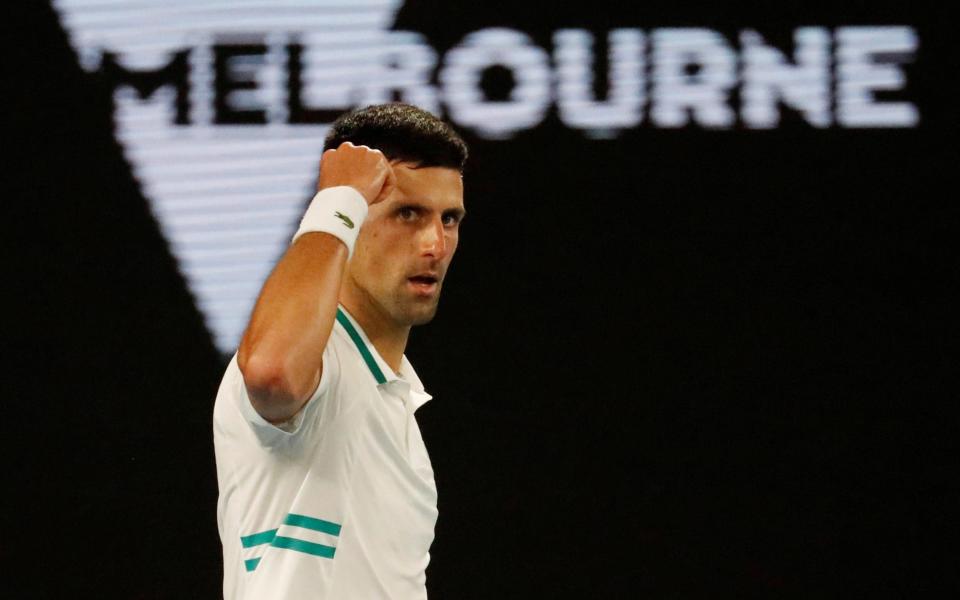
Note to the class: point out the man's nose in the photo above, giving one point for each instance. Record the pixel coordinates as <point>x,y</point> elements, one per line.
<point>434,239</point>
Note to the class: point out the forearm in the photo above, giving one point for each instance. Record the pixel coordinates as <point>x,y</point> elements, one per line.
<point>281,352</point>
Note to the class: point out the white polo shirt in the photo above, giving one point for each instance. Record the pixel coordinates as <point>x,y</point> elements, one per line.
<point>340,502</point>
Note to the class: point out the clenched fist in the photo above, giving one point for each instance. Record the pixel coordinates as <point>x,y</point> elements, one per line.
<point>362,168</point>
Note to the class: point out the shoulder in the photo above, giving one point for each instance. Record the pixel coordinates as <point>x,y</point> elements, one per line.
<point>346,386</point>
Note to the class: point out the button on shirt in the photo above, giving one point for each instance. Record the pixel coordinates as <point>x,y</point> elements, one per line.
<point>340,502</point>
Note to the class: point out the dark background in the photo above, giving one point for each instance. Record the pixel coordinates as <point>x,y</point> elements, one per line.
<point>678,364</point>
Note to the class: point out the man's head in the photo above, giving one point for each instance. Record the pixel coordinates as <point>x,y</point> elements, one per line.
<point>409,237</point>
<point>404,133</point>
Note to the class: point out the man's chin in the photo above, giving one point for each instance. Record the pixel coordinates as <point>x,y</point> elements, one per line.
<point>421,312</point>
<point>426,316</point>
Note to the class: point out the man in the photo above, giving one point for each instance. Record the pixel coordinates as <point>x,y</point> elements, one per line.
<point>326,488</point>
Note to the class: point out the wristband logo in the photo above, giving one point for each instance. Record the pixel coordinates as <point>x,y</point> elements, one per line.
<point>221,108</point>
<point>346,220</point>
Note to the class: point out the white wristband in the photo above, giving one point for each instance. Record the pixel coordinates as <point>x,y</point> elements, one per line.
<point>339,211</point>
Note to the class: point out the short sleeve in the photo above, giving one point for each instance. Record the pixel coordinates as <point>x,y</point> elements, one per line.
<point>269,433</point>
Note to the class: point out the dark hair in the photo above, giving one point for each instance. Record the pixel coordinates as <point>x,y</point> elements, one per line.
<point>402,132</point>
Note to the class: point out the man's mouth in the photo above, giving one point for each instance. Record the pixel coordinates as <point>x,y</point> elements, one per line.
<point>424,284</point>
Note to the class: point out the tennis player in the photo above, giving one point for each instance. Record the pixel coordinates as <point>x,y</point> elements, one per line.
<point>326,488</point>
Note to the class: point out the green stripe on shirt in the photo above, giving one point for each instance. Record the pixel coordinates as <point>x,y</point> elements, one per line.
<point>312,523</point>
<point>251,563</point>
<point>364,351</point>
<point>287,543</point>
<point>255,539</point>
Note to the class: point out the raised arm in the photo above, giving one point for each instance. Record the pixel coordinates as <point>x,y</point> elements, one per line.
<point>281,352</point>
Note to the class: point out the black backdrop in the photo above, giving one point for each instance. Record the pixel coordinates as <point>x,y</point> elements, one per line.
<point>678,364</point>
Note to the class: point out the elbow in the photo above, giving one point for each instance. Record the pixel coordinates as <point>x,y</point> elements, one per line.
<point>269,386</point>
<point>262,373</point>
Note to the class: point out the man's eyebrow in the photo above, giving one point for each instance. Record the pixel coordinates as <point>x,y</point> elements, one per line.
<point>414,204</point>
<point>422,205</point>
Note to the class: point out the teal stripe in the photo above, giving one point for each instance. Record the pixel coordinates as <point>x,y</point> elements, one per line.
<point>255,539</point>
<point>364,351</point>
<point>302,546</point>
<point>311,523</point>
<point>251,563</point>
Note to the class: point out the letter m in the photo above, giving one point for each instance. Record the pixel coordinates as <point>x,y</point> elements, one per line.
<point>146,82</point>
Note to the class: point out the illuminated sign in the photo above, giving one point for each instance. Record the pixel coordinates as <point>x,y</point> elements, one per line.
<point>221,107</point>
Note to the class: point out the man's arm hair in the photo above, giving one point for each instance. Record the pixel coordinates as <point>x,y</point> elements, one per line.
<point>281,353</point>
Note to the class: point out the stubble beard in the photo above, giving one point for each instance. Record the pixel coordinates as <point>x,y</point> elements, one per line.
<point>400,305</point>
<point>411,312</point>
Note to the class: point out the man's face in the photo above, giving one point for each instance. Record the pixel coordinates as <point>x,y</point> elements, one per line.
<point>406,244</point>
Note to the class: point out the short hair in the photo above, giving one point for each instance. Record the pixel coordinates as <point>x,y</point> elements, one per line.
<point>402,132</point>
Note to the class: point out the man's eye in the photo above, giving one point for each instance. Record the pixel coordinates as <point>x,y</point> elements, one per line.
<point>450,219</point>
<point>407,214</point>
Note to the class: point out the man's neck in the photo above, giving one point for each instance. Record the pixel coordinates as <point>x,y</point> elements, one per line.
<point>389,339</point>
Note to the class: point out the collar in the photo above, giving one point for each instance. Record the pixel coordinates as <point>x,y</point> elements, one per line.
<point>379,369</point>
